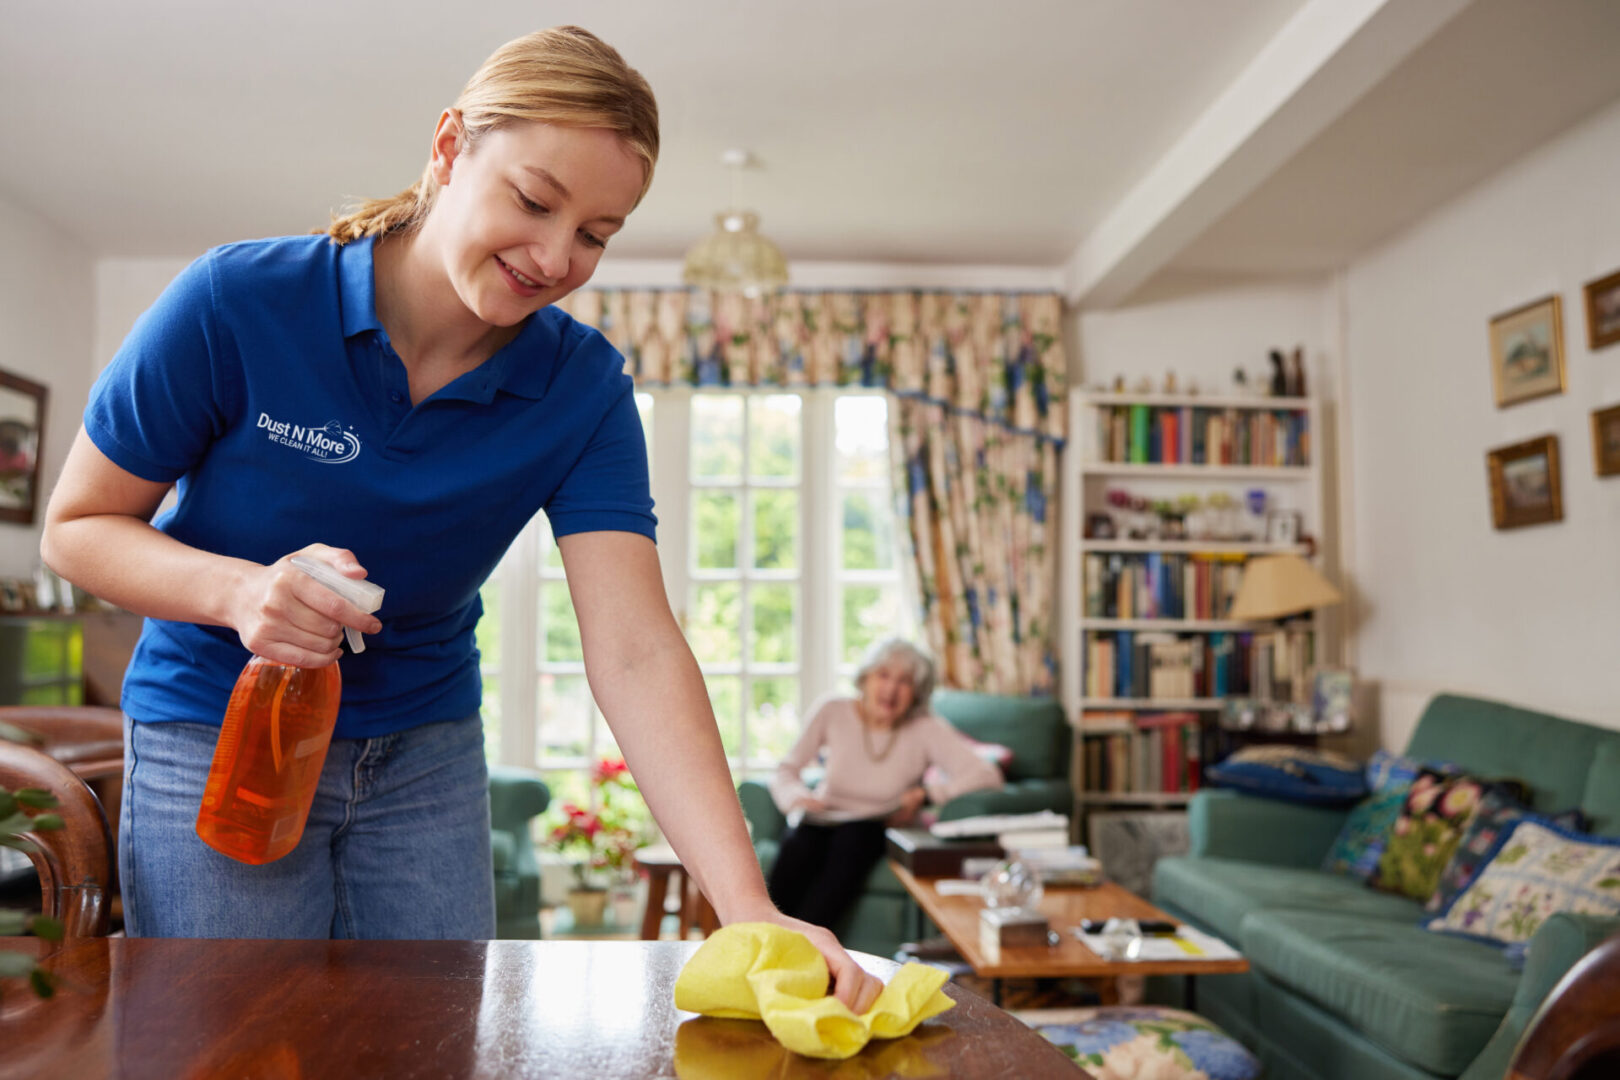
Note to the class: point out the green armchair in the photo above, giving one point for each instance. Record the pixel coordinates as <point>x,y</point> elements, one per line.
<point>1037,778</point>
<point>515,797</point>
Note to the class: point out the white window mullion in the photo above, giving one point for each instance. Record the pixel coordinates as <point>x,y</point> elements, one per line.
<point>520,690</point>
<point>819,520</point>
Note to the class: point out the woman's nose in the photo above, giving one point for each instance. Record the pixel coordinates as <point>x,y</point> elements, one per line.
<point>550,255</point>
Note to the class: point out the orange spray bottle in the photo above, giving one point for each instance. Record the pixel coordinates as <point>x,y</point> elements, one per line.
<point>273,743</point>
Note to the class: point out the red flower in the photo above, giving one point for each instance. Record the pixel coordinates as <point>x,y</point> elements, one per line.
<point>608,770</point>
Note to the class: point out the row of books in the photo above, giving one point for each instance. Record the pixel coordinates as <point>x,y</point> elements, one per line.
<point>1193,435</point>
<point>1124,754</point>
<point>1156,586</point>
<point>1159,666</point>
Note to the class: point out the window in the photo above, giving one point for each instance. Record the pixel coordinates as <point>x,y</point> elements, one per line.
<point>778,548</point>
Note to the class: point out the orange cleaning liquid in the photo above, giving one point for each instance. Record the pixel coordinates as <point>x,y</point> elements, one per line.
<point>268,760</point>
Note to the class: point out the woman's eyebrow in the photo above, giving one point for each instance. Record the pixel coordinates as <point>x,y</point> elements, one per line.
<point>545,176</point>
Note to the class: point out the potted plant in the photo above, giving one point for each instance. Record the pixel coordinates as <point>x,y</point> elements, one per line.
<point>601,842</point>
<point>19,814</point>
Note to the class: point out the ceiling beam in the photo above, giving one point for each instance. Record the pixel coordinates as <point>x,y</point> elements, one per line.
<point>1318,65</point>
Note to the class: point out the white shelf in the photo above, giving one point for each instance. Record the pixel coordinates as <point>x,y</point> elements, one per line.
<point>1201,472</point>
<point>1172,625</point>
<point>1155,704</point>
<point>1195,547</point>
<point>1173,401</point>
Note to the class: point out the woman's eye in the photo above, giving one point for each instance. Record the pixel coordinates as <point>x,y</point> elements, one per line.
<point>530,205</point>
<point>592,240</point>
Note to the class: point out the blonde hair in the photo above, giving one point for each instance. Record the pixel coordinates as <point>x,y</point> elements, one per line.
<point>566,76</point>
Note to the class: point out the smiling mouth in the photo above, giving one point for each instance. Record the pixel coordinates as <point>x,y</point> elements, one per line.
<point>523,279</point>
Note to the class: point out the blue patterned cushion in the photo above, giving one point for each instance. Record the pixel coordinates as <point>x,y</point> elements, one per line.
<point>1361,840</point>
<point>1139,1041</point>
<point>1293,773</point>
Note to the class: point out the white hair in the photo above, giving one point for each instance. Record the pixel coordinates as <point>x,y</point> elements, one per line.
<point>920,665</point>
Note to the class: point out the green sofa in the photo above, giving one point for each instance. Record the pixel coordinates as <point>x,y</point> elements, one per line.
<point>1344,984</point>
<point>515,797</point>
<point>884,917</point>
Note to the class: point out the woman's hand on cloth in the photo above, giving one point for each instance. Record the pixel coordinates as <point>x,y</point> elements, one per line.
<point>910,803</point>
<point>850,982</point>
<point>285,616</point>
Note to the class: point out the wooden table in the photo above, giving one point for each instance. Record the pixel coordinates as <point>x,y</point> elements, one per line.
<point>958,918</point>
<point>183,1009</point>
<point>663,869</point>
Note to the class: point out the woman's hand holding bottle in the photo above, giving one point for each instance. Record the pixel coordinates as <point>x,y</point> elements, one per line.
<point>286,617</point>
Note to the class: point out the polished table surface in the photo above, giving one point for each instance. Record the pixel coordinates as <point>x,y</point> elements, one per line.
<point>1065,907</point>
<point>183,1009</point>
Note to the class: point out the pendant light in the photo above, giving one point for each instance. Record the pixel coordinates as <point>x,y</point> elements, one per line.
<point>736,257</point>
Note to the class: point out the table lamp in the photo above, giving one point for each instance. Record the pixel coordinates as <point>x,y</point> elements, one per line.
<point>1277,586</point>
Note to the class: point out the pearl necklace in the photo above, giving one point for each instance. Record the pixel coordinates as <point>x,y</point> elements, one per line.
<point>876,756</point>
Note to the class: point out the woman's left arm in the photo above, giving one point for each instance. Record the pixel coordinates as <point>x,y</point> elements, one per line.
<point>644,678</point>
<point>964,770</point>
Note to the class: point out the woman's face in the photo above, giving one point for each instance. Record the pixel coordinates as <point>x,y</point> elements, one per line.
<point>521,220</point>
<point>887,693</point>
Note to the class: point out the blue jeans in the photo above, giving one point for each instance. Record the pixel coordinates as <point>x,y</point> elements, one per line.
<point>396,846</point>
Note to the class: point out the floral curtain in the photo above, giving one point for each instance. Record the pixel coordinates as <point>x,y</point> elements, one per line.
<point>976,424</point>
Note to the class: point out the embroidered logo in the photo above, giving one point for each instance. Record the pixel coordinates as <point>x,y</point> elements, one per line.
<point>331,444</point>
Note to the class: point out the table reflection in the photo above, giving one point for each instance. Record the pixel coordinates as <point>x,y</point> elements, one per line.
<point>710,1049</point>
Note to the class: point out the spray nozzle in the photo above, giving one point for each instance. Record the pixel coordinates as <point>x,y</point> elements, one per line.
<point>362,594</point>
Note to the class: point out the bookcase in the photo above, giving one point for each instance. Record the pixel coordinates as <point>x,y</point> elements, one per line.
<point>1191,485</point>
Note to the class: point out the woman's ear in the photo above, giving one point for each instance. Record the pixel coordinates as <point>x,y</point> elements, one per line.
<point>449,140</point>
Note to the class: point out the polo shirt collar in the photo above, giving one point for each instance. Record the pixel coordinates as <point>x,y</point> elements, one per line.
<point>522,367</point>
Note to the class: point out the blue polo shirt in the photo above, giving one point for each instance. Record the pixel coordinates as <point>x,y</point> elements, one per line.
<point>263,385</point>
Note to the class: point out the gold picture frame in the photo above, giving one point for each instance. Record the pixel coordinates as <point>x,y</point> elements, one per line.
<point>1526,484</point>
<point>1603,311</point>
<point>1527,352</point>
<point>1606,441</point>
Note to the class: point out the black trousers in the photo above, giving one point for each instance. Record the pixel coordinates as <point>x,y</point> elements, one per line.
<point>820,869</point>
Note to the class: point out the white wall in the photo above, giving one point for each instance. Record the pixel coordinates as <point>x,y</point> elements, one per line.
<point>47,297</point>
<point>1530,615</point>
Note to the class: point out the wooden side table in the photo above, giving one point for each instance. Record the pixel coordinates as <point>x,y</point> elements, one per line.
<point>663,869</point>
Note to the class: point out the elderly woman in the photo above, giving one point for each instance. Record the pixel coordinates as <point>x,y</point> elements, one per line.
<point>876,750</point>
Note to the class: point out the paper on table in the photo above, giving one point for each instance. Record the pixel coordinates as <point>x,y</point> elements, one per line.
<point>1186,943</point>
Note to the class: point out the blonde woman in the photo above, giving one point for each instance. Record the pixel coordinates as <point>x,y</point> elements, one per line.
<point>397,396</point>
<point>876,751</point>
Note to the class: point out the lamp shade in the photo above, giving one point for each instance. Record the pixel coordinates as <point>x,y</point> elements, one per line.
<point>736,257</point>
<point>1275,586</point>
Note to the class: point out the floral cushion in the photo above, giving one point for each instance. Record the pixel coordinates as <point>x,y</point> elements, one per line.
<point>1135,1042</point>
<point>1428,830</point>
<point>1366,830</point>
<point>1387,770</point>
<point>1536,870</point>
<point>1494,818</point>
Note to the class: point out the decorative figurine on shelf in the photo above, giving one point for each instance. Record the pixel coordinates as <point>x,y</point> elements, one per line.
<point>1192,387</point>
<point>1119,384</point>
<point>1099,526</point>
<point>1296,372</point>
<point>1169,382</point>
<point>1240,382</point>
<point>1144,385</point>
<point>1279,374</point>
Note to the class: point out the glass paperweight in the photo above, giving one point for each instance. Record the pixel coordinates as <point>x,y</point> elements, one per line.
<point>1012,885</point>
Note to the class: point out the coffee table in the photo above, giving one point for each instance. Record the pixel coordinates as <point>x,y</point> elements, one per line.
<point>1064,907</point>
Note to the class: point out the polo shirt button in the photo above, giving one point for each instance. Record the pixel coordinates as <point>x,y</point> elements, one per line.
<point>395,396</point>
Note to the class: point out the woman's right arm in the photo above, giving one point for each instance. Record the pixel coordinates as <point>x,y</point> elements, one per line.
<point>98,535</point>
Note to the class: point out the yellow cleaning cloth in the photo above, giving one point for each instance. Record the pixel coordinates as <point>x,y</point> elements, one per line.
<point>760,971</point>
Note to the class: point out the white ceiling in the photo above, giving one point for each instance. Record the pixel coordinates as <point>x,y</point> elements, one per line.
<point>893,131</point>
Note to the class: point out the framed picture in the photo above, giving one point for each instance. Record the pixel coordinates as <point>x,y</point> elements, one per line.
<point>1525,483</point>
<point>1603,311</point>
<point>1333,699</point>
<point>22,434</point>
<point>1606,440</point>
<point>1527,352</point>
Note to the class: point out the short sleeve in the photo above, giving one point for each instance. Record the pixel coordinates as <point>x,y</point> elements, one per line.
<point>608,488</point>
<point>158,406</point>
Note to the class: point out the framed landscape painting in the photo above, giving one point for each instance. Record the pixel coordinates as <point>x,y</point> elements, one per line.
<point>1527,352</point>
<point>1603,311</point>
<point>1525,483</point>
<point>1606,440</point>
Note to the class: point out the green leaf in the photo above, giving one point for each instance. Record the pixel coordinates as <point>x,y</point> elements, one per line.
<point>37,799</point>
<point>42,982</point>
<point>15,965</point>
<point>17,843</point>
<point>12,923</point>
<point>48,821</point>
<point>8,804</point>
<point>49,929</point>
<point>12,733</point>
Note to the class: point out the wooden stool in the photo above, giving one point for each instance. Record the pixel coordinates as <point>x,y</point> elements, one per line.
<point>663,868</point>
